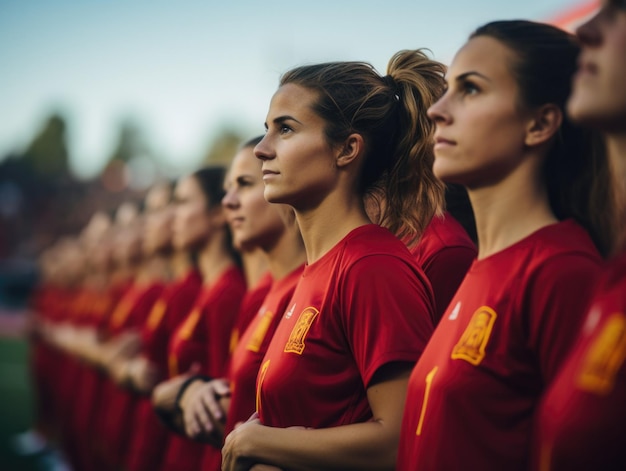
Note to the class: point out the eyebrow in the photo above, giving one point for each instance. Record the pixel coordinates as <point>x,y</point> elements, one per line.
<point>469,74</point>
<point>282,119</point>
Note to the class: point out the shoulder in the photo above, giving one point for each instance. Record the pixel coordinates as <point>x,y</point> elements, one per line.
<point>563,246</point>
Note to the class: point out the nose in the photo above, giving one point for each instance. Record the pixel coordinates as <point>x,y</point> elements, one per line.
<point>263,150</point>
<point>438,111</point>
<point>230,199</point>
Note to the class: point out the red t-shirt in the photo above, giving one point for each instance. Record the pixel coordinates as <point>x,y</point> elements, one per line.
<point>203,338</point>
<point>445,253</point>
<point>149,435</point>
<point>581,422</point>
<point>249,307</point>
<point>472,394</point>
<point>130,313</point>
<point>364,304</point>
<point>166,314</point>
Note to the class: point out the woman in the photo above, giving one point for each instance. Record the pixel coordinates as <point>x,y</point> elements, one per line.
<point>580,424</point>
<point>501,133</point>
<point>201,340</point>
<point>339,361</point>
<point>211,409</point>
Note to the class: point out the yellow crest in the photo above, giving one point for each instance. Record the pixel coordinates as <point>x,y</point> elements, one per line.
<point>259,333</point>
<point>156,314</point>
<point>295,344</point>
<point>189,324</point>
<point>604,357</point>
<point>121,313</point>
<point>471,346</point>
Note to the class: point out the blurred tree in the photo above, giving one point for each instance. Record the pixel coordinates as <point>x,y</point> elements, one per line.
<point>47,154</point>
<point>130,142</point>
<point>116,175</point>
<point>223,147</point>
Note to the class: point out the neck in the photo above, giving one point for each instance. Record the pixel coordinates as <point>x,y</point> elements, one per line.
<point>153,268</point>
<point>510,210</point>
<point>180,263</point>
<point>213,258</point>
<point>324,226</point>
<point>287,254</point>
<point>254,266</point>
<point>616,150</point>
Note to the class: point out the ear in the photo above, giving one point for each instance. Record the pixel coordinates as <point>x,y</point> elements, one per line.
<point>545,123</point>
<point>351,150</point>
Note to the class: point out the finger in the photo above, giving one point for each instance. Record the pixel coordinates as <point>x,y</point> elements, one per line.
<point>203,417</point>
<point>211,404</point>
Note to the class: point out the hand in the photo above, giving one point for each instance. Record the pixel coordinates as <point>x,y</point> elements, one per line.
<point>204,413</point>
<point>143,374</point>
<point>238,444</point>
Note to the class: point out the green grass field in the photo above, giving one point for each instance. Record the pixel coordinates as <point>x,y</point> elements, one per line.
<point>15,402</point>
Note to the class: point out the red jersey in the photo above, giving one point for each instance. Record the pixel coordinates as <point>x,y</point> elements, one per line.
<point>249,307</point>
<point>203,338</point>
<point>473,392</point>
<point>246,359</point>
<point>445,252</point>
<point>149,435</point>
<point>364,304</point>
<point>581,422</point>
<point>130,313</point>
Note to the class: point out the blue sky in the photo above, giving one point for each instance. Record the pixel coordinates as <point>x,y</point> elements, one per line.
<point>184,69</point>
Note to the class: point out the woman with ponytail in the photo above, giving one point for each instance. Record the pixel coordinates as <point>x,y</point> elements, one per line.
<point>331,387</point>
<point>532,178</point>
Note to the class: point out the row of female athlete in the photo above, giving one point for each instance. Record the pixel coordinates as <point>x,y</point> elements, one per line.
<point>356,326</point>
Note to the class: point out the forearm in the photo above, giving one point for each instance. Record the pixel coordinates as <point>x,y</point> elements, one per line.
<point>365,446</point>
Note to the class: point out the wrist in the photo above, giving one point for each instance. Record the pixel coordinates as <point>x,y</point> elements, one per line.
<point>184,386</point>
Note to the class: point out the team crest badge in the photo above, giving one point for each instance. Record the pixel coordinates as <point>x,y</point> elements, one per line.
<point>604,357</point>
<point>471,346</point>
<point>295,344</point>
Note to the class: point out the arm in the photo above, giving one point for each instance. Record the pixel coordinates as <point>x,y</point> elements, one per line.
<point>364,446</point>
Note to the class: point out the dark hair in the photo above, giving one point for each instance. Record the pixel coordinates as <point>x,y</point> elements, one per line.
<point>211,180</point>
<point>390,113</point>
<point>252,142</point>
<point>575,168</point>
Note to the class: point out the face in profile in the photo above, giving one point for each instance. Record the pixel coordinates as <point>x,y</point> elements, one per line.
<point>480,123</point>
<point>298,163</point>
<point>158,220</point>
<point>599,95</point>
<point>191,225</point>
<point>253,221</point>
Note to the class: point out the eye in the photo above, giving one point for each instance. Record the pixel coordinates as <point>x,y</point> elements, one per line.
<point>284,129</point>
<point>469,88</point>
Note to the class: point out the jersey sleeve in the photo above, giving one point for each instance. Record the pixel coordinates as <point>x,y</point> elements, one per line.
<point>387,308</point>
<point>561,290</point>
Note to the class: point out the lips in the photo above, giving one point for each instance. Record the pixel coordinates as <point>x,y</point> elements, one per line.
<point>268,174</point>
<point>443,142</point>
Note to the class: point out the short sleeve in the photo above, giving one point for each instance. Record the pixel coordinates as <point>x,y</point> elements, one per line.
<point>387,308</point>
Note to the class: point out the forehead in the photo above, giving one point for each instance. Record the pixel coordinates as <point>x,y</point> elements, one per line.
<point>292,99</point>
<point>244,162</point>
<point>484,55</point>
<point>186,185</point>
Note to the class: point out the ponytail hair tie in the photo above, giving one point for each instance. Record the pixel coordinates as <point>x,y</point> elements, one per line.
<point>391,83</point>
